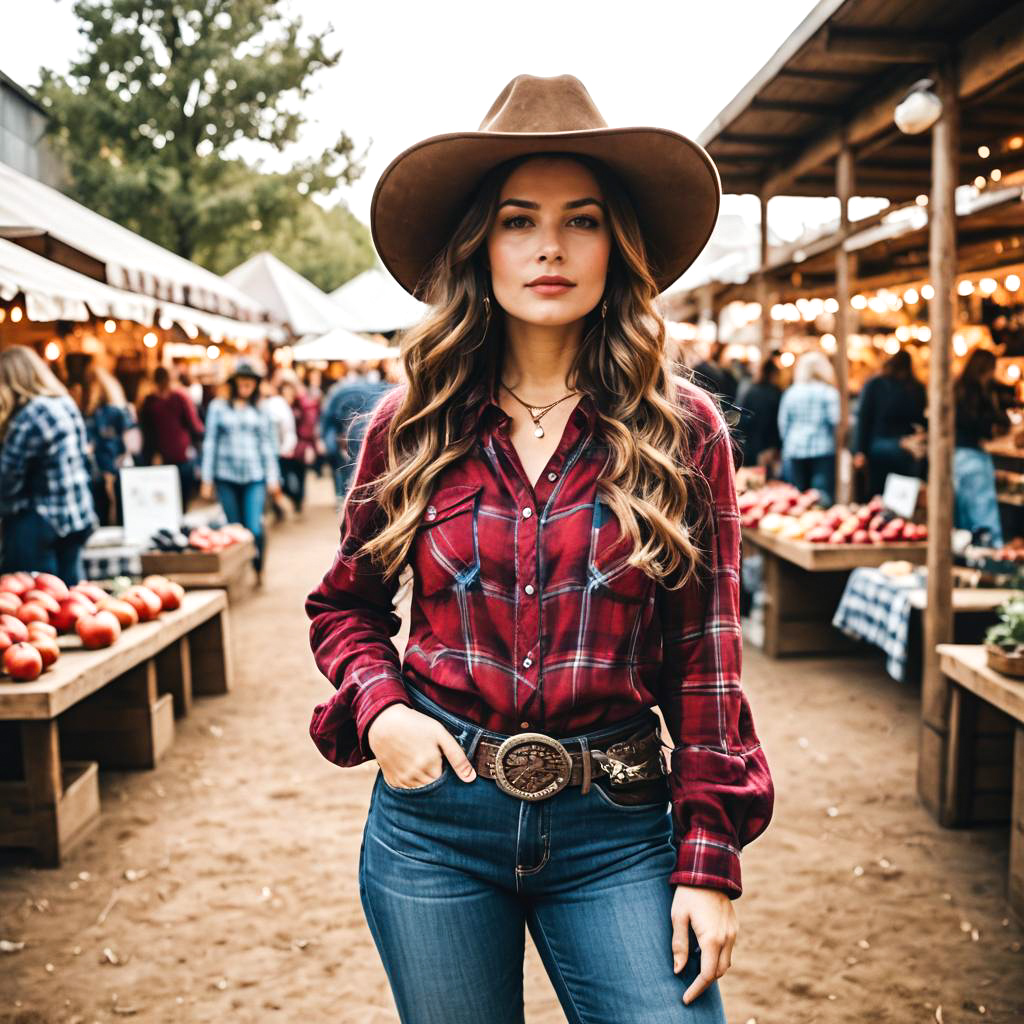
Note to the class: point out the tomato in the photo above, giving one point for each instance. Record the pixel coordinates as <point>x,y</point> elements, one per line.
<point>23,662</point>
<point>123,611</point>
<point>47,648</point>
<point>14,628</point>
<point>72,608</point>
<point>47,600</point>
<point>99,630</point>
<point>51,584</point>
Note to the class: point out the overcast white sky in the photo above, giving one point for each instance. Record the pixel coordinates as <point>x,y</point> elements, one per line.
<point>412,69</point>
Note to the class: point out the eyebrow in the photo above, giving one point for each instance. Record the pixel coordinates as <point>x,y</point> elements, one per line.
<point>527,204</point>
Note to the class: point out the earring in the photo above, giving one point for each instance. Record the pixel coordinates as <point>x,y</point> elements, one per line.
<point>487,308</point>
<point>604,309</point>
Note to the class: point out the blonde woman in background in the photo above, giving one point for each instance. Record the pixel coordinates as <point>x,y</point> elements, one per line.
<point>114,439</point>
<point>45,501</point>
<point>808,416</point>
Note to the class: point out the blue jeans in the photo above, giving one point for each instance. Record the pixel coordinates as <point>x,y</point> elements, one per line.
<point>452,873</point>
<point>976,506</point>
<point>32,544</point>
<point>818,472</point>
<point>243,503</point>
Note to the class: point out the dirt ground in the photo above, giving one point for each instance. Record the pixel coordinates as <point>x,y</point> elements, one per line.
<point>222,886</point>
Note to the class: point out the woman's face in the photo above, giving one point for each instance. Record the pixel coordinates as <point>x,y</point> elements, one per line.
<point>244,387</point>
<point>551,224</point>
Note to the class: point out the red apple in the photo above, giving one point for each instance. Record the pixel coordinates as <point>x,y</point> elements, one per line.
<point>124,612</point>
<point>41,629</point>
<point>47,648</point>
<point>72,608</point>
<point>15,583</point>
<point>51,584</point>
<point>14,628</point>
<point>48,601</point>
<point>99,630</point>
<point>5,641</point>
<point>30,611</point>
<point>860,537</point>
<point>145,602</point>
<point>9,603</point>
<point>23,662</point>
<point>93,591</point>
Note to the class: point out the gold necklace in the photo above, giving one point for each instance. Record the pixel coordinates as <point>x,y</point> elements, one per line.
<point>537,412</point>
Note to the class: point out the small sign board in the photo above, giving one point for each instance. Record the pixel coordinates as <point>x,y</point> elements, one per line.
<point>901,494</point>
<point>151,500</point>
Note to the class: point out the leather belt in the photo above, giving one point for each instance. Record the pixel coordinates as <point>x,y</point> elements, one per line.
<point>534,766</point>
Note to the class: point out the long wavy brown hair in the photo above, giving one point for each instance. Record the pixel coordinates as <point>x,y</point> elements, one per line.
<point>454,355</point>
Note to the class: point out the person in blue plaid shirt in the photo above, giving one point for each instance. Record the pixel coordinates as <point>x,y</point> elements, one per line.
<point>240,455</point>
<point>808,416</point>
<point>45,498</point>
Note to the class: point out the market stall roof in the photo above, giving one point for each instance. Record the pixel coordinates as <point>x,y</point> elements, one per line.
<point>375,303</point>
<point>844,70</point>
<point>291,299</point>
<point>340,344</point>
<point>54,292</point>
<point>50,223</point>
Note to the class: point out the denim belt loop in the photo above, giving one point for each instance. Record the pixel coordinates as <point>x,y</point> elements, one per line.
<point>470,749</point>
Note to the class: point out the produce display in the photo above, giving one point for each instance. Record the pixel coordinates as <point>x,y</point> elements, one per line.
<point>36,607</point>
<point>784,511</point>
<point>202,538</point>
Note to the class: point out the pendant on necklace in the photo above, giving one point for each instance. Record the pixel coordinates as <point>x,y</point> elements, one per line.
<point>538,430</point>
<point>535,412</point>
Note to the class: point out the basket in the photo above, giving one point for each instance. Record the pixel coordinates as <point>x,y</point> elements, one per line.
<point>1007,664</point>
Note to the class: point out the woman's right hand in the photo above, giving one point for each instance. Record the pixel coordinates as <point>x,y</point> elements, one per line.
<point>206,490</point>
<point>410,748</point>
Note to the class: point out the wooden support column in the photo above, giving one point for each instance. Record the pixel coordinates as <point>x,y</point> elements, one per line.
<point>763,298</point>
<point>938,619</point>
<point>841,360</point>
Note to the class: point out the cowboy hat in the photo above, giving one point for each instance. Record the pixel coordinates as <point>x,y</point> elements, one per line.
<point>246,367</point>
<point>672,182</point>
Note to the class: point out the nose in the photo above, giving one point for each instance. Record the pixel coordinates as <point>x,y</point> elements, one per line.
<point>550,249</point>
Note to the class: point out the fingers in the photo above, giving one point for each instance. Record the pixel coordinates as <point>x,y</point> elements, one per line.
<point>456,755</point>
<point>680,942</point>
<point>708,972</point>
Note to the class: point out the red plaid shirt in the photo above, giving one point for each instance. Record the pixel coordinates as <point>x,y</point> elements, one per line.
<point>525,616</point>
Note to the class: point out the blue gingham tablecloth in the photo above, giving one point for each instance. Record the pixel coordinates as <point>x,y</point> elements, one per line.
<point>876,608</point>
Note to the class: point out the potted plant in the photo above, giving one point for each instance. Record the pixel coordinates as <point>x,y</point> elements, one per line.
<point>1004,642</point>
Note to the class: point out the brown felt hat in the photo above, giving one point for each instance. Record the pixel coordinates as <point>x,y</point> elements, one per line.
<point>672,182</point>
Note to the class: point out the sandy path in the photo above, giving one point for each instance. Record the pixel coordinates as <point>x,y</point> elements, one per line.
<point>244,846</point>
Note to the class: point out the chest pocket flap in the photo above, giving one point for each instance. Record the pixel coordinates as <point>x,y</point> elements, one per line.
<point>447,546</point>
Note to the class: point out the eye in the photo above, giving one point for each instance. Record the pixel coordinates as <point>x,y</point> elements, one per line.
<point>585,220</point>
<point>517,220</point>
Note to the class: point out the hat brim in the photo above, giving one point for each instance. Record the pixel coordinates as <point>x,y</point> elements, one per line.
<point>672,182</point>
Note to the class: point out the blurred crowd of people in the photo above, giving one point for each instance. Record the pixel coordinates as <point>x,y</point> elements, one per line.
<point>248,443</point>
<point>792,431</point>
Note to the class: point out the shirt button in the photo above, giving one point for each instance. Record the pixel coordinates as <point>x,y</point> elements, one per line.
<point>431,512</point>
<point>528,588</point>
<point>552,476</point>
<point>527,662</point>
<point>527,512</point>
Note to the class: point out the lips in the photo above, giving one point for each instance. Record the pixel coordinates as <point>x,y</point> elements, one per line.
<point>550,280</point>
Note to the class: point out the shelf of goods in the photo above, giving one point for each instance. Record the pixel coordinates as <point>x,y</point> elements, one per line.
<point>111,707</point>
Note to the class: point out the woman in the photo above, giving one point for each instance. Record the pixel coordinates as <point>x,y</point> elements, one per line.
<point>306,411</point>
<point>113,436</point>
<point>759,416</point>
<point>171,430</point>
<point>891,411</point>
<point>808,416</point>
<point>569,512</point>
<point>278,407</point>
<point>240,456</point>
<point>980,416</point>
<point>45,500</point>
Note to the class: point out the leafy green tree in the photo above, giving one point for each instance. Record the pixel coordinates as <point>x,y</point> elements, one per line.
<point>146,117</point>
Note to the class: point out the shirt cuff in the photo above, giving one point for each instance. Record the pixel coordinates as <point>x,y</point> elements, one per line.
<point>389,690</point>
<point>708,861</point>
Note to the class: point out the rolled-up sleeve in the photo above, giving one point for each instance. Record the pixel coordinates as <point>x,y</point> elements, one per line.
<point>721,788</point>
<point>353,618</point>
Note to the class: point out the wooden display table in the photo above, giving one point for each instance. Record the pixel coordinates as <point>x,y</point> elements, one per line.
<point>981,770</point>
<point>802,585</point>
<point>199,570</point>
<point>114,708</point>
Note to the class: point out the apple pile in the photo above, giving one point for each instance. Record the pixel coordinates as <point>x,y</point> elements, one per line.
<point>35,608</point>
<point>203,538</point>
<point>775,499</point>
<point>867,524</point>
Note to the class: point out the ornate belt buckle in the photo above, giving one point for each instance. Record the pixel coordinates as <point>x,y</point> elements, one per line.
<point>532,766</point>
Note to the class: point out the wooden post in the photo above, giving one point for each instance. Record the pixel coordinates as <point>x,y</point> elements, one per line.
<point>841,361</point>
<point>938,619</point>
<point>763,298</point>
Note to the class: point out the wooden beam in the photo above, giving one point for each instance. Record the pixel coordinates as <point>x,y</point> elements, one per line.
<point>797,107</point>
<point>989,54</point>
<point>762,281</point>
<point>799,74</point>
<point>760,141</point>
<point>886,46</point>
<point>938,623</point>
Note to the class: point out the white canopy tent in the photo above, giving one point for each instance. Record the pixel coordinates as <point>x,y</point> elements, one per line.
<point>340,344</point>
<point>375,303</point>
<point>30,208</point>
<point>291,299</point>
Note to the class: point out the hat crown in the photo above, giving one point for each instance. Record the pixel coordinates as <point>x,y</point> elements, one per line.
<point>531,104</point>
